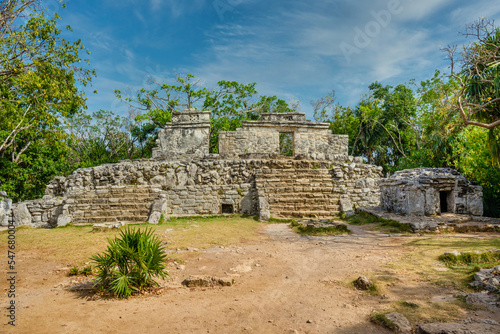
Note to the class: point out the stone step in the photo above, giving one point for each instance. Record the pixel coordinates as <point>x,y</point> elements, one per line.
<point>310,173</point>
<point>286,178</point>
<point>317,194</point>
<point>107,219</point>
<point>296,183</point>
<point>117,196</point>
<point>290,207</point>
<point>111,213</point>
<point>303,214</point>
<point>303,200</point>
<point>311,170</point>
<point>297,191</point>
<point>270,173</point>
<point>108,205</point>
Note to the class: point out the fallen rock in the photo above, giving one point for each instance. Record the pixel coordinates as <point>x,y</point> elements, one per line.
<point>106,226</point>
<point>346,207</point>
<point>363,283</point>
<point>488,300</point>
<point>487,279</point>
<point>454,328</point>
<point>399,322</point>
<point>204,281</point>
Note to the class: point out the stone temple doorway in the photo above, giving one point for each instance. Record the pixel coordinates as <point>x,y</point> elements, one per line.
<point>286,144</point>
<point>443,201</point>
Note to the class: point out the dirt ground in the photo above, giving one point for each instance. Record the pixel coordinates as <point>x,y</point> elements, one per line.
<point>285,283</point>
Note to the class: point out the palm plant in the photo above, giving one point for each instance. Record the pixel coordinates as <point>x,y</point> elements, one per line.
<point>130,263</point>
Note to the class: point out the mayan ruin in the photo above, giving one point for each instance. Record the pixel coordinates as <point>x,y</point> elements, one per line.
<point>429,192</point>
<point>248,176</point>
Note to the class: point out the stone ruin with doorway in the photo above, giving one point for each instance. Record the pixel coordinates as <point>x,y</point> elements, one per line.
<point>250,175</point>
<point>280,166</point>
<point>430,192</point>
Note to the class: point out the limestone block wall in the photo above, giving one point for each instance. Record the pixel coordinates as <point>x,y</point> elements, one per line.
<point>42,212</point>
<point>427,191</point>
<point>190,187</point>
<point>357,182</point>
<point>188,134</point>
<point>150,187</point>
<point>261,138</point>
<point>320,145</point>
<point>244,141</point>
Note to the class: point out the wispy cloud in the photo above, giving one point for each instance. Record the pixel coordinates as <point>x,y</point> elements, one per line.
<point>290,48</point>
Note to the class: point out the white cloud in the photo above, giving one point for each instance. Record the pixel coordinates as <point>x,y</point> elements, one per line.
<point>292,48</point>
<point>421,9</point>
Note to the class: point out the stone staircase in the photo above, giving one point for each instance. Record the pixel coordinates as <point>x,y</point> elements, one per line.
<point>112,204</point>
<point>298,192</point>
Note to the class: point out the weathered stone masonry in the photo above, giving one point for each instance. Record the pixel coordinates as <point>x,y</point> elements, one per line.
<point>430,191</point>
<point>311,140</point>
<point>248,176</point>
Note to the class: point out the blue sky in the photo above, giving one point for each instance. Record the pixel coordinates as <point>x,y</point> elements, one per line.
<point>297,50</point>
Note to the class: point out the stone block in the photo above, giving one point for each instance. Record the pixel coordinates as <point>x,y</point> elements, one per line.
<point>5,210</point>
<point>63,220</point>
<point>416,203</point>
<point>22,215</point>
<point>263,205</point>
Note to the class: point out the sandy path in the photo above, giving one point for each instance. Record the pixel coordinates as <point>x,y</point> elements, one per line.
<point>285,284</point>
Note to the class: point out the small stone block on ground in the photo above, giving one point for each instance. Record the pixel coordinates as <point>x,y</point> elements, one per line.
<point>204,281</point>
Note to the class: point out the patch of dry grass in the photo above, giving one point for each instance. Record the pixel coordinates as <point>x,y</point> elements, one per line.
<point>200,232</point>
<point>422,259</point>
<point>431,312</point>
<point>75,244</point>
<point>424,277</point>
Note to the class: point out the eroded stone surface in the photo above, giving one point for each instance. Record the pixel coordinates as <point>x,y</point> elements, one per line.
<point>457,328</point>
<point>430,191</point>
<point>446,222</point>
<point>399,321</point>
<point>205,281</point>
<point>363,283</point>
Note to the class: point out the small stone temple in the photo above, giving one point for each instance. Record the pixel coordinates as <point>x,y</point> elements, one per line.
<point>249,175</point>
<point>430,191</point>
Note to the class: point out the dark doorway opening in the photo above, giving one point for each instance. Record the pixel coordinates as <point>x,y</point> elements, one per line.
<point>443,200</point>
<point>286,144</point>
<point>227,208</point>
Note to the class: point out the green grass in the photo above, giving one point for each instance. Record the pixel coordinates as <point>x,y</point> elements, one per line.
<point>410,305</point>
<point>74,244</point>
<point>319,231</point>
<point>427,253</point>
<point>475,258</point>
<point>281,220</point>
<point>385,225</point>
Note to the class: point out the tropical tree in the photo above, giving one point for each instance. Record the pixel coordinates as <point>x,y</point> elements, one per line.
<point>479,100</point>
<point>40,78</point>
<point>102,137</point>
<point>437,123</point>
<point>381,127</point>
<point>230,104</point>
<point>473,159</point>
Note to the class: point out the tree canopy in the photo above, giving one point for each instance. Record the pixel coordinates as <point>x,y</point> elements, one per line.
<point>41,75</point>
<point>230,103</point>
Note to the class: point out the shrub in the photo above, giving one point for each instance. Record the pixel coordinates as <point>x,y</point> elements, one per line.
<point>74,271</point>
<point>86,271</point>
<point>469,258</point>
<point>130,263</point>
